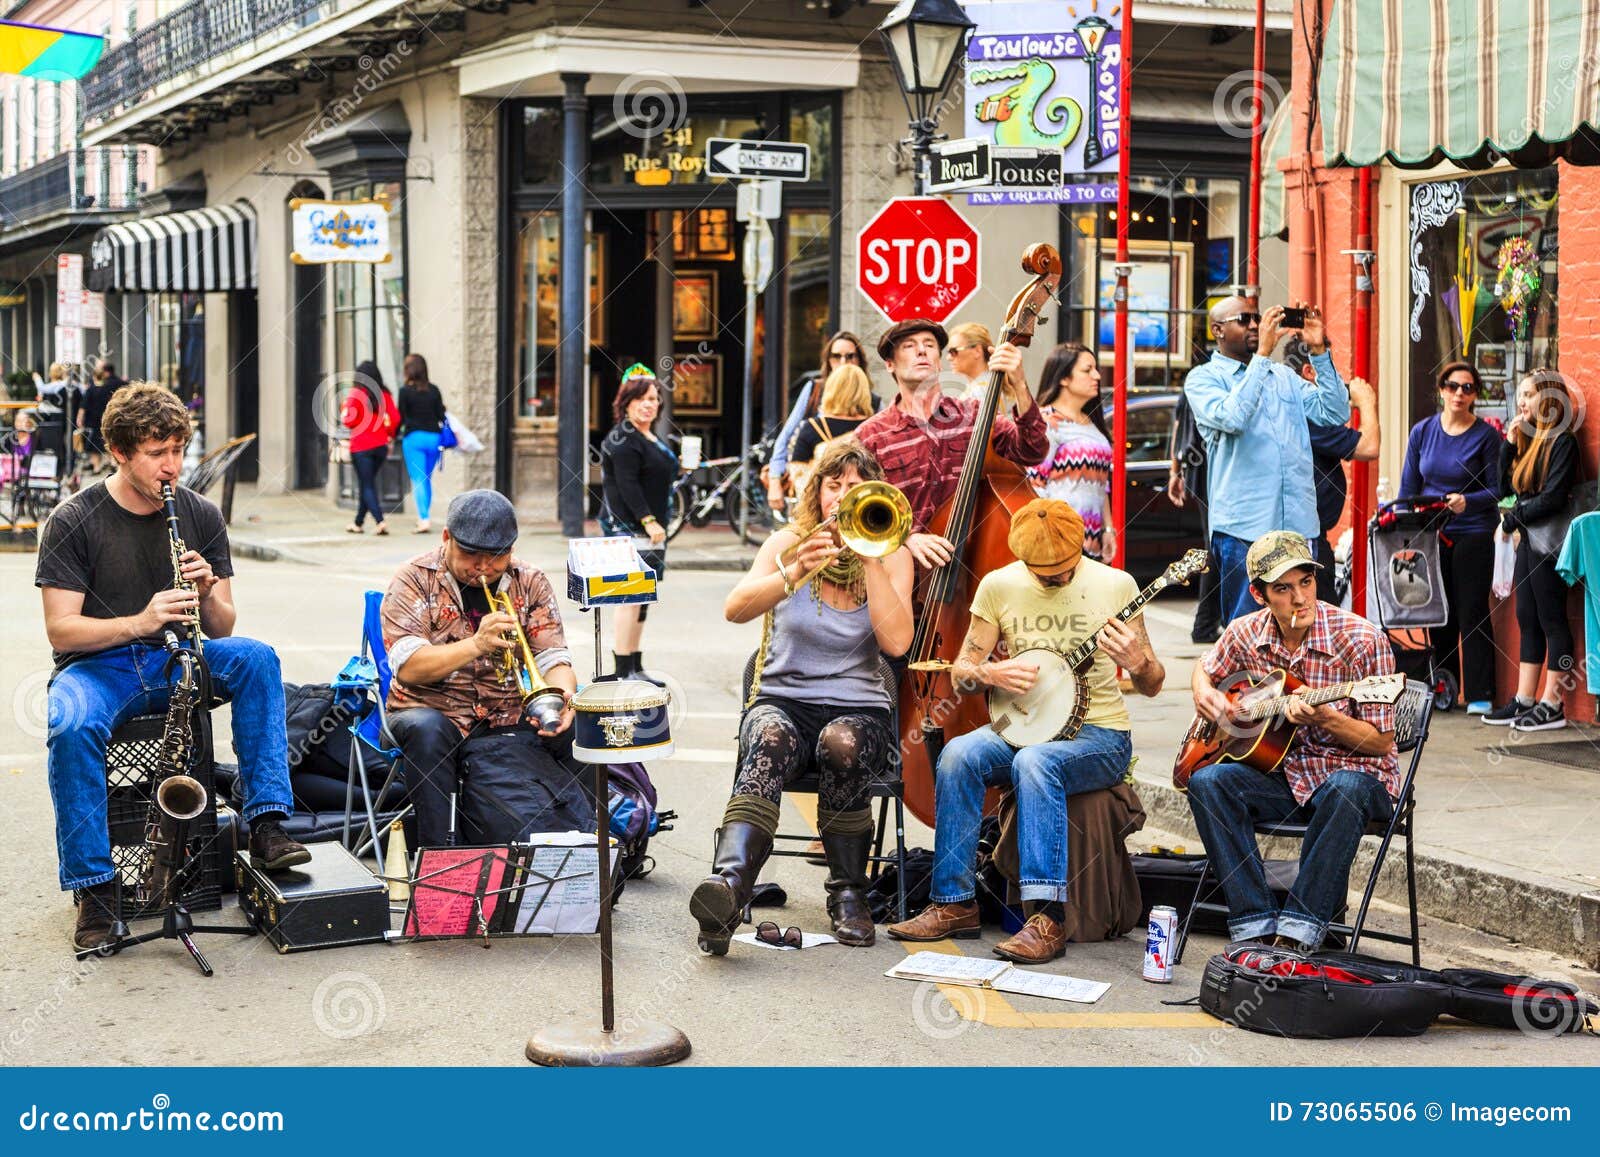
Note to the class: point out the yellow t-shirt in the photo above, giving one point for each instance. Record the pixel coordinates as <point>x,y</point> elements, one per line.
<point>1030,614</point>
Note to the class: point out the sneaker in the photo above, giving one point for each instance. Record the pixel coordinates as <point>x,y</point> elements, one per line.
<point>1541,716</point>
<point>1503,716</point>
<point>1479,707</point>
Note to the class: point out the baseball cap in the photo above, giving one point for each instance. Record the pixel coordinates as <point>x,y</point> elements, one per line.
<point>1276,553</point>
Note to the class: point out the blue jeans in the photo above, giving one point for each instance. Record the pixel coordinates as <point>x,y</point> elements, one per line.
<point>367,464</point>
<point>421,450</point>
<point>1228,799</point>
<point>1043,776</point>
<point>1230,555</point>
<point>96,695</point>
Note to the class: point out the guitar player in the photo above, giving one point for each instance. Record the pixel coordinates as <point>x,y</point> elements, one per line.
<point>1341,773</point>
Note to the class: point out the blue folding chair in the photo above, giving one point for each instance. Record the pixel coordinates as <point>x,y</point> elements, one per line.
<point>361,689</point>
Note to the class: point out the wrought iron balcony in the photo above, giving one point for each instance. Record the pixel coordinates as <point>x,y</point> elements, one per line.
<point>76,181</point>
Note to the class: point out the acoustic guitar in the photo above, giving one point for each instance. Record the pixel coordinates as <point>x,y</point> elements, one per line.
<point>1257,733</point>
<point>1054,707</point>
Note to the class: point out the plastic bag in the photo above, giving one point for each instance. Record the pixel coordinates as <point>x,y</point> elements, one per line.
<point>1505,562</point>
<point>465,440</point>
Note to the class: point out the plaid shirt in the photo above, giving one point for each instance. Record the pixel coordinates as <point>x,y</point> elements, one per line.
<point>1340,646</point>
<point>423,608</point>
<point>924,458</point>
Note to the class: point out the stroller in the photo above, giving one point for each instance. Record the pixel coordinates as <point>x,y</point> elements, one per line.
<point>1407,588</point>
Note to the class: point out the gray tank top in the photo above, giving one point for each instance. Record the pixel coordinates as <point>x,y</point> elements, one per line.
<point>820,654</point>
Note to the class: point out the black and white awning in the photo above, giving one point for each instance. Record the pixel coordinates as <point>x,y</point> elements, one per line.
<point>208,250</point>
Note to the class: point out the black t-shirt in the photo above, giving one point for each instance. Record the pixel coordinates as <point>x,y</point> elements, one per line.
<point>421,408</point>
<point>475,603</point>
<point>118,559</point>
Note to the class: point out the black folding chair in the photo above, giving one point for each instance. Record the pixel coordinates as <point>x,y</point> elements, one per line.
<point>1413,712</point>
<point>887,786</point>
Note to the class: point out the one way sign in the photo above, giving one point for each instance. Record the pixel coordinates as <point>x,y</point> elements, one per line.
<point>783,160</point>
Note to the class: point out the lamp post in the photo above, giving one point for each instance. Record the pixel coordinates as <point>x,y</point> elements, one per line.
<point>925,39</point>
<point>1092,31</point>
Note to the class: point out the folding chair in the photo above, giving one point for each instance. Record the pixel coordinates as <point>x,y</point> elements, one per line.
<point>361,689</point>
<point>1413,712</point>
<point>886,786</point>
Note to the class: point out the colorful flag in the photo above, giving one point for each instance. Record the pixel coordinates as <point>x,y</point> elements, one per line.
<point>47,53</point>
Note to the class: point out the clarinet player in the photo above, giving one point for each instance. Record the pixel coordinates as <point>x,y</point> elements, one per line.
<point>106,572</point>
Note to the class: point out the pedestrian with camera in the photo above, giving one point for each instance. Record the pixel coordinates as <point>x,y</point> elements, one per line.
<point>1253,414</point>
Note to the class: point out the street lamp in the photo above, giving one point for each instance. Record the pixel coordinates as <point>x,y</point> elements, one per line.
<point>925,39</point>
<point>1092,31</point>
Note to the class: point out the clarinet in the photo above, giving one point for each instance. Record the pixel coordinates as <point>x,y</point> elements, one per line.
<point>178,549</point>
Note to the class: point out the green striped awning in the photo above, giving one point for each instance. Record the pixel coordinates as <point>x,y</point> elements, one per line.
<point>1274,148</point>
<point>1415,82</point>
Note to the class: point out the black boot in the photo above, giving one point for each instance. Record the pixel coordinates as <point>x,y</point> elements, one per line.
<point>847,887</point>
<point>639,671</point>
<point>718,903</point>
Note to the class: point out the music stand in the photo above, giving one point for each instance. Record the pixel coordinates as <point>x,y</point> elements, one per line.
<point>575,1042</point>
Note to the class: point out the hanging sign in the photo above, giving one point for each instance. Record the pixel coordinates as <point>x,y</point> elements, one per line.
<point>331,231</point>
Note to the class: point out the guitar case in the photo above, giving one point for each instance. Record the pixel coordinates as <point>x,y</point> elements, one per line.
<point>1334,995</point>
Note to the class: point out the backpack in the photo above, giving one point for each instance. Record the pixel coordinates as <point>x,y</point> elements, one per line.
<point>634,817</point>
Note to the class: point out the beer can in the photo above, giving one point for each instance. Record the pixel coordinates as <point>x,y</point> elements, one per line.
<point>1158,944</point>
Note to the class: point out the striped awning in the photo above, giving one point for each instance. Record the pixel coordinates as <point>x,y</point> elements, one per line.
<point>197,251</point>
<point>1416,82</point>
<point>1274,148</point>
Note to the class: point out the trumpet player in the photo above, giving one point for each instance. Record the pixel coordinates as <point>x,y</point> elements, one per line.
<point>106,572</point>
<point>817,703</point>
<point>460,673</point>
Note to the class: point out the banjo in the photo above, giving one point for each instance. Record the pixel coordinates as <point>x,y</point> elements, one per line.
<point>1054,707</point>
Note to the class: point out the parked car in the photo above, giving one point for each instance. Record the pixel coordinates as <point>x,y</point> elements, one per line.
<point>1157,531</point>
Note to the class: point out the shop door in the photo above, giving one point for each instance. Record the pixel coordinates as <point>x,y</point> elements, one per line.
<point>311,443</point>
<point>246,384</point>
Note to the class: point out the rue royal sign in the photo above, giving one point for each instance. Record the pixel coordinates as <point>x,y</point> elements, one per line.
<point>333,231</point>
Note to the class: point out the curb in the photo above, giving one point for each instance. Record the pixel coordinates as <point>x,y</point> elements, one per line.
<point>1540,911</point>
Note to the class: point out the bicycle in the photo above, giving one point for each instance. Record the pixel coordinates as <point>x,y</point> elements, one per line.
<point>699,494</point>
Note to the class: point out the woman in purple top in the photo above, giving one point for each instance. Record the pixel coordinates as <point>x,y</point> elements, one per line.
<point>1456,454</point>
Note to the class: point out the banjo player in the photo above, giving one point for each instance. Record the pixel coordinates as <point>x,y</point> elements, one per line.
<point>1052,597</point>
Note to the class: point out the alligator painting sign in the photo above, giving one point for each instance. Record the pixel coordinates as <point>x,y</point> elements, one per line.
<point>329,231</point>
<point>1047,77</point>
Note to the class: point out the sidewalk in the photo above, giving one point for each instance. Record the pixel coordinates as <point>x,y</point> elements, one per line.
<point>1508,836</point>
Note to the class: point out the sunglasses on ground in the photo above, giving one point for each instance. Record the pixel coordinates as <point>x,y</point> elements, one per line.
<point>767,932</point>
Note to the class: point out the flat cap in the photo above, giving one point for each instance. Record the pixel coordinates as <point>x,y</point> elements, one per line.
<point>904,329</point>
<point>1047,534</point>
<point>483,521</point>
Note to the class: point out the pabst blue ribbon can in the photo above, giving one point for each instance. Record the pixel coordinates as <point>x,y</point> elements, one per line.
<point>1158,944</point>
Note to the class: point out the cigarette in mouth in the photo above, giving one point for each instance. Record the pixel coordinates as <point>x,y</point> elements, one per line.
<point>1294,619</point>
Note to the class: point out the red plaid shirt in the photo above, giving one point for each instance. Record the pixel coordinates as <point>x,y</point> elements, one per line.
<point>1340,646</point>
<point>924,458</point>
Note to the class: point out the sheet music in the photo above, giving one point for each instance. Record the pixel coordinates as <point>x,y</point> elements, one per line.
<point>442,897</point>
<point>561,892</point>
<point>1049,986</point>
<point>945,968</point>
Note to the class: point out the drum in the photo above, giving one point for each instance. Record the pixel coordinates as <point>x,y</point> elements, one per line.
<point>1052,709</point>
<point>621,722</point>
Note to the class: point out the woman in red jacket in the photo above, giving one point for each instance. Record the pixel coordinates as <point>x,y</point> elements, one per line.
<point>369,413</point>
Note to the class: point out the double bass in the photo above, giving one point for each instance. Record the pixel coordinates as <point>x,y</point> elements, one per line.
<point>977,521</point>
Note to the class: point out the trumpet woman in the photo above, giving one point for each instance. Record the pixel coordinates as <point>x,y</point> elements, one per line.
<point>114,576</point>
<point>817,703</point>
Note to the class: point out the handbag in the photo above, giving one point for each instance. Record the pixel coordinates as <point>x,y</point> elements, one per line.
<point>1545,538</point>
<point>447,435</point>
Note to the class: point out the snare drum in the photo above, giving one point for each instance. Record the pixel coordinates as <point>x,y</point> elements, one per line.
<point>621,722</point>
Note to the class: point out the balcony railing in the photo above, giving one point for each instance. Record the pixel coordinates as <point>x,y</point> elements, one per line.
<point>79,180</point>
<point>183,41</point>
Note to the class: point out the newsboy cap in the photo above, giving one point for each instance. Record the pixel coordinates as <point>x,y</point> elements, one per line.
<point>904,329</point>
<point>1047,534</point>
<point>483,521</point>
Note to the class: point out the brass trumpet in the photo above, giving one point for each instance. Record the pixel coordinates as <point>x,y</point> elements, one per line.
<point>874,520</point>
<point>543,701</point>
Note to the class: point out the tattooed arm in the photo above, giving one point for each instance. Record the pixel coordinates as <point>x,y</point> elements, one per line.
<point>974,671</point>
<point>1128,646</point>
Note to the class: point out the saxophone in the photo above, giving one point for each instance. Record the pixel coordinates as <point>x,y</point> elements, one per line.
<point>176,797</point>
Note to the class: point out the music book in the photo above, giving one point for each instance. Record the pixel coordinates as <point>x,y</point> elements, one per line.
<point>999,975</point>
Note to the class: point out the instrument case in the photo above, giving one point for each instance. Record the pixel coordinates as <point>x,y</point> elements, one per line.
<point>1170,878</point>
<point>332,901</point>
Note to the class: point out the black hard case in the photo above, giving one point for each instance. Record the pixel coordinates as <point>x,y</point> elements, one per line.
<point>332,901</point>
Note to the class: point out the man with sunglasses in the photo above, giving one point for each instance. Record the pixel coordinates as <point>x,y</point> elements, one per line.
<point>1253,413</point>
<point>1051,597</point>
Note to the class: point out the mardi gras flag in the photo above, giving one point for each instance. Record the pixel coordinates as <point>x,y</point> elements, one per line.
<point>47,53</point>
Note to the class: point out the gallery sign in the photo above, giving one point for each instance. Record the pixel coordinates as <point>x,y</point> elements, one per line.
<point>330,231</point>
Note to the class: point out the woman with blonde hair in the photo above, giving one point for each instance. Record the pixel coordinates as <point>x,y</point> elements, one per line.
<point>817,703</point>
<point>1539,467</point>
<point>846,403</point>
<point>968,351</point>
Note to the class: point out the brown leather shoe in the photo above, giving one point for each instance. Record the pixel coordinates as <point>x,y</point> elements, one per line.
<point>939,922</point>
<point>96,927</point>
<point>1040,941</point>
<point>272,850</point>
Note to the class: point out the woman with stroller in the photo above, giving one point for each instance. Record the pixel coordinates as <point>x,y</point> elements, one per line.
<point>1539,469</point>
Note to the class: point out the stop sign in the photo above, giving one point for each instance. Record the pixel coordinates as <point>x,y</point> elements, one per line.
<point>917,258</point>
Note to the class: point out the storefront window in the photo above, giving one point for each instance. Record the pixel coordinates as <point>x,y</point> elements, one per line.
<point>1482,283</point>
<point>1184,246</point>
<point>538,316</point>
<point>180,345</point>
<point>808,262</point>
<point>369,301</point>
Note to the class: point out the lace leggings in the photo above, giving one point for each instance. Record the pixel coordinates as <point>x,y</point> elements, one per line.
<point>781,739</point>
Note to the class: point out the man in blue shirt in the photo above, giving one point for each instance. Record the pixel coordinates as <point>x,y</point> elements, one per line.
<point>1253,414</point>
